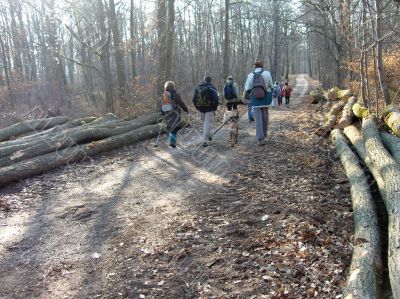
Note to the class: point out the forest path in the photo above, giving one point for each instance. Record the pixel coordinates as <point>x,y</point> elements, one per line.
<point>174,223</point>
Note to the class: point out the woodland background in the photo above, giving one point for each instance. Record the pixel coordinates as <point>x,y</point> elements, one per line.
<point>90,57</point>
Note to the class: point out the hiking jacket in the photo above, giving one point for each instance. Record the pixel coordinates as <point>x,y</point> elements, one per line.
<point>287,91</point>
<point>266,102</point>
<point>235,90</point>
<point>214,94</point>
<point>276,92</point>
<point>173,118</point>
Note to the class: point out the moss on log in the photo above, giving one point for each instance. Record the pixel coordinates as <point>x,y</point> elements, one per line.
<point>360,111</point>
<point>366,267</point>
<point>391,116</point>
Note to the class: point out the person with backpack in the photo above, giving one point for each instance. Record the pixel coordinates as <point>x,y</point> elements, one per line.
<point>259,87</point>
<point>286,92</point>
<point>231,96</point>
<point>275,94</point>
<point>280,86</point>
<point>171,107</point>
<point>205,99</point>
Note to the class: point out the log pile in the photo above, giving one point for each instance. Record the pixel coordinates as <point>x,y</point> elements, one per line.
<point>58,141</point>
<point>379,151</point>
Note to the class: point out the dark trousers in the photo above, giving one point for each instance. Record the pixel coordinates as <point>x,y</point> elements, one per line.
<point>287,99</point>
<point>229,106</point>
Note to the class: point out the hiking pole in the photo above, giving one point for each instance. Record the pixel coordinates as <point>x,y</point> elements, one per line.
<point>158,136</point>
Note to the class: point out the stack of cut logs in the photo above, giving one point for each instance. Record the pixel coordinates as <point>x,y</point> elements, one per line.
<point>33,147</point>
<point>379,151</point>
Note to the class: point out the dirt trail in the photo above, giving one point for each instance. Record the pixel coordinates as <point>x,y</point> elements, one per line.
<point>190,222</point>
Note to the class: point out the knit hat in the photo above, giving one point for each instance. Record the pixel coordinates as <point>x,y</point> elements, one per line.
<point>207,79</point>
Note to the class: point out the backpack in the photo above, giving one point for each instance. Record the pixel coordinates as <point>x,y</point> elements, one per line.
<point>258,90</point>
<point>205,98</point>
<point>167,102</point>
<point>276,92</point>
<point>229,92</point>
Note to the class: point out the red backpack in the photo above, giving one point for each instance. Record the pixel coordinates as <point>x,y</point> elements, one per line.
<point>167,101</point>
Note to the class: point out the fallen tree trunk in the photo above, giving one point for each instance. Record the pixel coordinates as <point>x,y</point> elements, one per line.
<point>387,175</point>
<point>380,158</point>
<point>338,94</point>
<point>331,119</point>
<point>347,115</point>
<point>48,136</point>
<point>392,143</point>
<point>28,126</point>
<point>364,278</point>
<point>84,135</point>
<point>44,163</point>
<point>316,96</point>
<point>391,116</point>
<point>68,125</point>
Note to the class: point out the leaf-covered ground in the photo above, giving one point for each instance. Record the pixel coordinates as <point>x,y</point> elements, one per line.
<point>247,222</point>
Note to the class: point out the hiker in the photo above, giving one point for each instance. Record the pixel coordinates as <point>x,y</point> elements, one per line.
<point>205,99</point>
<point>171,107</point>
<point>259,87</point>
<point>275,94</point>
<point>231,96</point>
<point>280,86</point>
<point>286,92</point>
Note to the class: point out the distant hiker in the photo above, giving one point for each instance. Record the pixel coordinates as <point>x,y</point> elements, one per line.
<point>205,99</point>
<point>231,96</point>
<point>280,86</point>
<point>275,94</point>
<point>286,92</point>
<point>171,107</point>
<point>259,87</point>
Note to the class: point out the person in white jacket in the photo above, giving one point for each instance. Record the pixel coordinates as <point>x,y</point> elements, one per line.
<point>260,105</point>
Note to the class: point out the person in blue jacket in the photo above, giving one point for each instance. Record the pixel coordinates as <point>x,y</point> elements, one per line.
<point>205,99</point>
<point>260,104</point>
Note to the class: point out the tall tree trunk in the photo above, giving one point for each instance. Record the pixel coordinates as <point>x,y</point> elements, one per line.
<point>6,72</point>
<point>161,36</point>
<point>225,62</point>
<point>170,41</point>
<point>16,37</point>
<point>132,31</point>
<point>105,57</point>
<point>119,57</point>
<point>378,36</point>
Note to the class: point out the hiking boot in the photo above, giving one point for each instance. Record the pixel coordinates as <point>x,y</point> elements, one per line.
<point>205,144</point>
<point>251,119</point>
<point>210,138</point>
<point>173,145</point>
<point>261,142</point>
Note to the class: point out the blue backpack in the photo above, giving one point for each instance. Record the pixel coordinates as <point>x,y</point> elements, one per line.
<point>229,92</point>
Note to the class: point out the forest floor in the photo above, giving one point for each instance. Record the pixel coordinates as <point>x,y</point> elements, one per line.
<point>191,222</point>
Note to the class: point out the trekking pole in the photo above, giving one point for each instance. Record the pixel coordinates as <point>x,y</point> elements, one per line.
<point>158,136</point>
